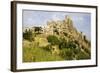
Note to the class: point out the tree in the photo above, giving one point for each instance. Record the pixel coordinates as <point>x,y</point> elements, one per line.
<point>28,35</point>
<point>53,40</point>
<point>38,29</point>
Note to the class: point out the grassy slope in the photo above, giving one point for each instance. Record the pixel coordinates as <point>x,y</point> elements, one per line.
<point>38,55</point>
<point>33,53</point>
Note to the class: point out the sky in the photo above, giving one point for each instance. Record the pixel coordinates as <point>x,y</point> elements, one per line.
<point>82,21</point>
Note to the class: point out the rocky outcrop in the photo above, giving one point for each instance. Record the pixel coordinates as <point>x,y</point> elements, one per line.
<point>65,28</point>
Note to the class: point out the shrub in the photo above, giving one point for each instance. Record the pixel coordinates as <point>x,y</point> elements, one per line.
<point>71,44</point>
<point>65,44</point>
<point>67,54</point>
<point>53,40</point>
<point>28,35</point>
<point>76,50</point>
<point>81,55</point>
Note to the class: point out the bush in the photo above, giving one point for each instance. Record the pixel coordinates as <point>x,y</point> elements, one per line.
<point>67,54</point>
<point>76,50</point>
<point>81,55</point>
<point>71,45</point>
<point>28,35</point>
<point>65,44</point>
<point>53,40</point>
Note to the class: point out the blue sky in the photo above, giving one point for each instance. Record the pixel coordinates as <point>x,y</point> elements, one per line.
<point>82,21</point>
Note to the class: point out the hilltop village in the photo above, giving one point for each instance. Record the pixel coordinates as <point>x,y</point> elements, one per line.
<point>58,35</point>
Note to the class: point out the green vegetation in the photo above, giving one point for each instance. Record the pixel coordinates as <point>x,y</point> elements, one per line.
<point>82,55</point>
<point>67,54</point>
<point>53,40</point>
<point>39,55</point>
<point>28,35</point>
<point>38,30</point>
